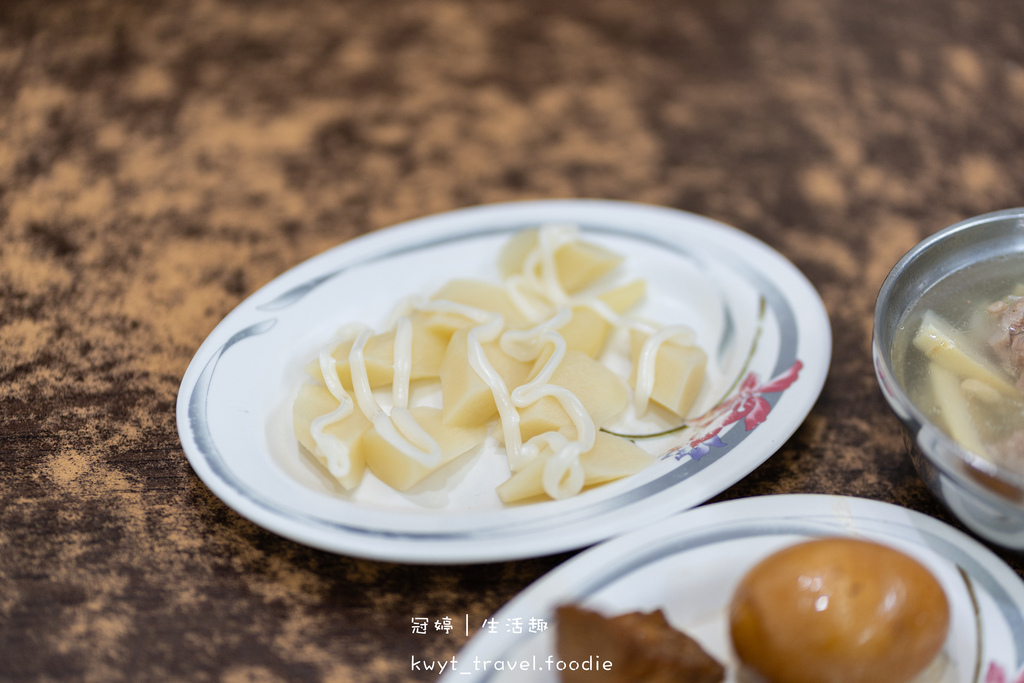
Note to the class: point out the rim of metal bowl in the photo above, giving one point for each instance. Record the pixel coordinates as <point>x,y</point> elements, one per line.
<point>893,390</point>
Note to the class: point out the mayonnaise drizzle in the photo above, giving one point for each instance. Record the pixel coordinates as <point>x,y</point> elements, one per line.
<point>526,297</point>
<point>360,380</point>
<point>489,326</point>
<point>334,451</point>
<point>401,430</point>
<point>402,362</point>
<point>524,345</point>
<point>398,428</point>
<point>563,475</point>
<point>528,345</point>
<point>549,239</point>
<point>538,279</point>
<point>646,362</point>
<point>538,295</point>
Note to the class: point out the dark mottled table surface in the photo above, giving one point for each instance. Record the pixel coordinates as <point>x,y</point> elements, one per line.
<point>161,161</point>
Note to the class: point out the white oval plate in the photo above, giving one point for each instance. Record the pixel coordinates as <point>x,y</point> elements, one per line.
<point>757,315</point>
<point>688,565</point>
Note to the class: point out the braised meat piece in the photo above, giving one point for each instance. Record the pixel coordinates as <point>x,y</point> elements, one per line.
<point>638,647</point>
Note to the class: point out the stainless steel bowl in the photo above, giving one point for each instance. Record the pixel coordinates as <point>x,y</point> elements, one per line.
<point>987,498</point>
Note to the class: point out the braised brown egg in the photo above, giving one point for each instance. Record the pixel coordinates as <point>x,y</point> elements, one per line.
<point>838,610</point>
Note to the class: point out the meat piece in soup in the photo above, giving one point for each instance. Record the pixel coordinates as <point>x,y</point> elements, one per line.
<point>1007,340</point>
<point>1010,451</point>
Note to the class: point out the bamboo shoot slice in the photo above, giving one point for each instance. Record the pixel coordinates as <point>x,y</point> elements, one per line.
<point>938,340</point>
<point>315,400</point>
<point>612,457</point>
<point>400,471</point>
<point>955,409</point>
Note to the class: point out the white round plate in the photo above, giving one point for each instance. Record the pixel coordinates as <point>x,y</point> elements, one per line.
<point>689,565</point>
<point>762,323</point>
